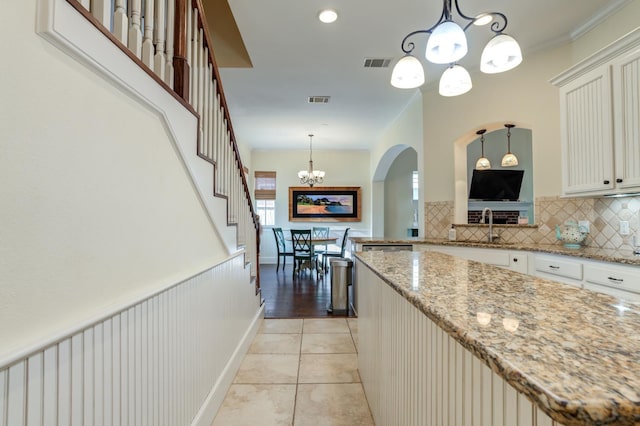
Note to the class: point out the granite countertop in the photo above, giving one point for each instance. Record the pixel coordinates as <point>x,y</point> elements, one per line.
<point>606,255</point>
<point>575,353</point>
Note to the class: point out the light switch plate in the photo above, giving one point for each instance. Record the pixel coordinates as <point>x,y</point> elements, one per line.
<point>585,224</point>
<point>624,227</point>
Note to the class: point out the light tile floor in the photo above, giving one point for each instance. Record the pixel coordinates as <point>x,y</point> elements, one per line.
<point>299,372</point>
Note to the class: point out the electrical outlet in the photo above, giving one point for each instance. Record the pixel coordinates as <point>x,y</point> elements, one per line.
<point>585,225</point>
<point>624,227</point>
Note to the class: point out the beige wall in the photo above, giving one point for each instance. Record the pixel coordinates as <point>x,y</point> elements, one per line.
<point>97,207</point>
<point>619,24</point>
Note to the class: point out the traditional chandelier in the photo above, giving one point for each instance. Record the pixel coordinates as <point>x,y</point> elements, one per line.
<point>447,44</point>
<point>310,177</point>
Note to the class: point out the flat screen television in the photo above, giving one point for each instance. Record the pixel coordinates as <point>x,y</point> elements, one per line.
<point>496,185</point>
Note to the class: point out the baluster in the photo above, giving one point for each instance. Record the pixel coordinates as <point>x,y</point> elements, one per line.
<point>216,120</point>
<point>101,9</point>
<point>211,112</point>
<point>135,32</point>
<point>120,22</point>
<point>159,31</point>
<point>180,58</point>
<point>190,53</point>
<point>147,42</point>
<point>195,60</point>
<point>171,16</point>
<point>205,115</point>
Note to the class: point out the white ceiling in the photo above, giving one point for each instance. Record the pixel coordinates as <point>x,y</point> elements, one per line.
<point>295,56</point>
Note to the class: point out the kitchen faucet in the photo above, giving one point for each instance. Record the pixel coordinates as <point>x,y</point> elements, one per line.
<point>490,236</point>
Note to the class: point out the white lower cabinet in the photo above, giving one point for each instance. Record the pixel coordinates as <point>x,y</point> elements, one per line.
<point>559,268</point>
<point>415,374</point>
<point>617,280</point>
<point>514,260</point>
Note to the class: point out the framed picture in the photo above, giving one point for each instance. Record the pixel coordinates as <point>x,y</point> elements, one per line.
<point>325,204</point>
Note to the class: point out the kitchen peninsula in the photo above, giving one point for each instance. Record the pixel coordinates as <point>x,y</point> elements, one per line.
<point>445,340</point>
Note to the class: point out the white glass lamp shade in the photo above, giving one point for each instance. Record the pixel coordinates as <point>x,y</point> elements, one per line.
<point>447,43</point>
<point>501,54</point>
<point>455,81</point>
<point>483,163</point>
<point>318,174</point>
<point>407,73</point>
<point>509,160</point>
<point>303,174</point>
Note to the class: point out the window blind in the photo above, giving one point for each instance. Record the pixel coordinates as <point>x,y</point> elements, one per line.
<point>265,185</point>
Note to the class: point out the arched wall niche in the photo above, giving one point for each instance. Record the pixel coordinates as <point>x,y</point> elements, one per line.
<point>460,164</point>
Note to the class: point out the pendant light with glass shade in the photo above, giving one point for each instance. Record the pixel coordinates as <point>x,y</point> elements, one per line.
<point>483,162</point>
<point>509,159</point>
<point>447,44</point>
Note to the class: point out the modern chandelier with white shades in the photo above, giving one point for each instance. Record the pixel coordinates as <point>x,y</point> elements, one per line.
<point>310,177</point>
<point>447,44</point>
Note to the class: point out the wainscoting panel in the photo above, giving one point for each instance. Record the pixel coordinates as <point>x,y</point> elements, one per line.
<point>166,360</point>
<point>414,373</point>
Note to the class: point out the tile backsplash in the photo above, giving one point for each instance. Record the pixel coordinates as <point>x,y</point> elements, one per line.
<point>604,215</point>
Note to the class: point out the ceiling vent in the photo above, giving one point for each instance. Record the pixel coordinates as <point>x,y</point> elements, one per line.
<point>377,62</point>
<point>319,99</point>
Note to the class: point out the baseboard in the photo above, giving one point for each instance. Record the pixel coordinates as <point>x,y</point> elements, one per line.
<point>214,400</point>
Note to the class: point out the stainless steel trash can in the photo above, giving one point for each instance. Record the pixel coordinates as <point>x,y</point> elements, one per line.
<point>341,270</point>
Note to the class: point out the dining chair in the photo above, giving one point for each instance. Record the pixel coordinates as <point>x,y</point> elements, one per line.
<point>340,253</point>
<point>319,232</point>
<point>303,250</point>
<point>282,248</point>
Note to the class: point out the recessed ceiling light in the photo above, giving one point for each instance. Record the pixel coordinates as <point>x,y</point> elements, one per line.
<point>328,16</point>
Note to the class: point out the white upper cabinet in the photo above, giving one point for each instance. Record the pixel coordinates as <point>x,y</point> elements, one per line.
<point>600,121</point>
<point>626,95</point>
<point>587,137</point>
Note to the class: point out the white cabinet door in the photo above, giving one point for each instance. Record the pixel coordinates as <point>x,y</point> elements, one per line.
<point>587,136</point>
<point>626,96</point>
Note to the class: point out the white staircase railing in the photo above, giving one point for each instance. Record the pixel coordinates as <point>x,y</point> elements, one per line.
<point>170,39</point>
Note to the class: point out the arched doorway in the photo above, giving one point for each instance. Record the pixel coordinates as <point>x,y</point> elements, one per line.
<point>394,206</point>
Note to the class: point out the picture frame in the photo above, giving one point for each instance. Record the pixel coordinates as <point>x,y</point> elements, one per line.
<point>325,204</point>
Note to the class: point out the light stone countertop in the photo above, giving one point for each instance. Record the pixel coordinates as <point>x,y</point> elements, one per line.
<point>606,255</point>
<point>575,353</point>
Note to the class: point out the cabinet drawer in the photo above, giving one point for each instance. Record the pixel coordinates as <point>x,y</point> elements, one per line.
<point>616,277</point>
<point>560,267</point>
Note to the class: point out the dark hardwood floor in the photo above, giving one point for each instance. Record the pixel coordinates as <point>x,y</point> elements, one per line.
<point>299,297</point>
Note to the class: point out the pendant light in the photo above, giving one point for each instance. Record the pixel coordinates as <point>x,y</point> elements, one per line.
<point>509,159</point>
<point>483,162</point>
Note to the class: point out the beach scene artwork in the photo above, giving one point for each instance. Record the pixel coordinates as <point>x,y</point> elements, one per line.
<point>307,204</point>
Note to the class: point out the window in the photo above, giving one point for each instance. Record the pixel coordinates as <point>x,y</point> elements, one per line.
<point>266,209</point>
<point>265,195</point>
<point>414,185</point>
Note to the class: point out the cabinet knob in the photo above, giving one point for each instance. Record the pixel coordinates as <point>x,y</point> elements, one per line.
<point>619,180</point>
<point>606,182</point>
<point>515,259</point>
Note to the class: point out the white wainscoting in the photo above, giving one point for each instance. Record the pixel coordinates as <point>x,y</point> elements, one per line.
<point>165,360</point>
<point>414,373</point>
